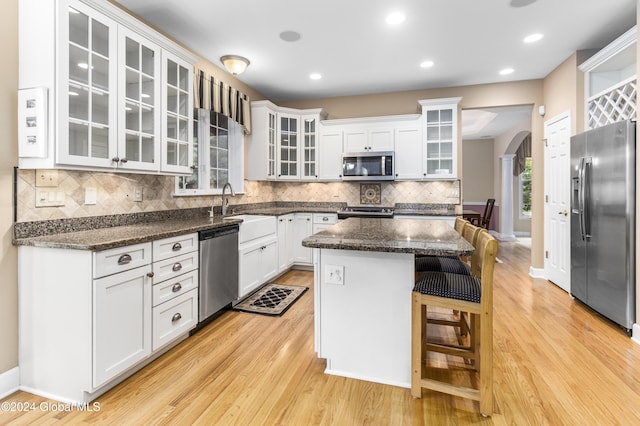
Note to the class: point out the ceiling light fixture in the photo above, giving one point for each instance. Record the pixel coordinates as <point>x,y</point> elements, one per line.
<point>506,71</point>
<point>533,38</point>
<point>426,64</point>
<point>395,18</point>
<point>235,64</point>
<point>315,76</point>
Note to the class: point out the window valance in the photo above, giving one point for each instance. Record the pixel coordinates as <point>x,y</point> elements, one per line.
<point>217,96</point>
<point>524,151</point>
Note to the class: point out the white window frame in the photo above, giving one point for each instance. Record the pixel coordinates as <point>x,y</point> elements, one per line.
<point>235,161</point>
<point>521,214</point>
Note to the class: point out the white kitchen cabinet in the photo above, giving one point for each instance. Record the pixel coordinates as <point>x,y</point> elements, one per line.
<point>138,103</point>
<point>177,114</point>
<point>121,322</point>
<point>368,139</point>
<point>258,263</point>
<point>104,71</point>
<point>309,154</point>
<point>288,146</point>
<point>322,221</point>
<point>408,153</point>
<point>109,300</point>
<point>284,143</point>
<point>303,227</point>
<point>440,149</point>
<point>285,241</point>
<point>330,156</point>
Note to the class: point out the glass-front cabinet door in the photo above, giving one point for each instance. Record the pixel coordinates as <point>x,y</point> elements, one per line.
<point>309,148</point>
<point>441,138</point>
<point>139,130</point>
<point>272,132</point>
<point>288,146</point>
<point>177,81</point>
<point>87,87</point>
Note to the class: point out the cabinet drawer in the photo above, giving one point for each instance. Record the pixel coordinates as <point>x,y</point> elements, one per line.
<point>174,318</point>
<point>325,218</point>
<point>169,247</point>
<point>167,290</point>
<point>120,259</point>
<point>175,266</point>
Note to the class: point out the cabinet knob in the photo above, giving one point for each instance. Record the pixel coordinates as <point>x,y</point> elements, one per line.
<point>176,287</point>
<point>150,274</point>
<point>115,159</point>
<point>124,259</point>
<point>176,317</point>
<point>325,219</point>
<point>176,247</point>
<point>177,267</point>
<point>123,160</point>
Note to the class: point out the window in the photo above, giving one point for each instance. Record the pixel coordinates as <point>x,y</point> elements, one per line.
<point>218,155</point>
<point>525,190</point>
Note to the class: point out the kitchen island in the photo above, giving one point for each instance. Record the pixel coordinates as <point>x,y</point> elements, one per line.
<point>364,275</point>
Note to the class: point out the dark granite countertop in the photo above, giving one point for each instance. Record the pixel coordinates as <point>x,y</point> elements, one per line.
<point>119,236</point>
<point>279,211</point>
<point>423,237</point>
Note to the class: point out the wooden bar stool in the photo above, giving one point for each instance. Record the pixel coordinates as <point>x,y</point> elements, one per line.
<point>472,294</point>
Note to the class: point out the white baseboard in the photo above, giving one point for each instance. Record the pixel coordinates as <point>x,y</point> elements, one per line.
<point>537,273</point>
<point>9,382</point>
<point>502,237</point>
<point>635,336</point>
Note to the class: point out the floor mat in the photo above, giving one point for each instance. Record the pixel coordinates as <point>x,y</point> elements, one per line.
<point>272,299</point>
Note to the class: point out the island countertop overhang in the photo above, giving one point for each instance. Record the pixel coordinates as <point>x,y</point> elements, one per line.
<point>413,236</point>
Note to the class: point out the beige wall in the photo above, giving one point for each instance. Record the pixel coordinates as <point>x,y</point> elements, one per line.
<point>530,92</point>
<point>478,170</point>
<point>8,158</point>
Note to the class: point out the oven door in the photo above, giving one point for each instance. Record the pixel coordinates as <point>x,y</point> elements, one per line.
<point>368,166</point>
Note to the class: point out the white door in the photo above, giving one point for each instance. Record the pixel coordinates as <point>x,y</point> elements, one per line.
<point>557,238</point>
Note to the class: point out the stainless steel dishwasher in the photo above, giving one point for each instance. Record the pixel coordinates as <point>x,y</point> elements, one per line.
<point>218,270</point>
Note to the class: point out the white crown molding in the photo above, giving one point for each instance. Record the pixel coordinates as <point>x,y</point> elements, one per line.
<point>625,40</point>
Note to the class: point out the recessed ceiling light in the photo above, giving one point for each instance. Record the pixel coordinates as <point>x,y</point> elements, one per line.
<point>506,71</point>
<point>395,18</point>
<point>426,64</point>
<point>290,36</point>
<point>315,76</point>
<point>521,3</point>
<point>533,38</point>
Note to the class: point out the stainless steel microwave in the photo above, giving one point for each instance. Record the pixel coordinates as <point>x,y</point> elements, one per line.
<point>368,166</point>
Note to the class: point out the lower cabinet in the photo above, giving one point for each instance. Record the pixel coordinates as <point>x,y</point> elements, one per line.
<point>122,322</point>
<point>90,319</point>
<point>285,241</point>
<point>303,227</point>
<point>258,263</point>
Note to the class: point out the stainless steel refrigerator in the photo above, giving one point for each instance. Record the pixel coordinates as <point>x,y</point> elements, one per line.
<point>603,211</point>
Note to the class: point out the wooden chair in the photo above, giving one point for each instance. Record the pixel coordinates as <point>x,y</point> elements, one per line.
<point>488,211</point>
<point>466,293</point>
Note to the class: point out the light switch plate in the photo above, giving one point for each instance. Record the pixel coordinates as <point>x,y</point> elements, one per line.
<point>47,197</point>
<point>90,196</point>
<point>334,274</point>
<point>46,178</point>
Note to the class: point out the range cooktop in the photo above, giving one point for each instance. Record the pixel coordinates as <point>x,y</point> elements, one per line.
<point>365,211</point>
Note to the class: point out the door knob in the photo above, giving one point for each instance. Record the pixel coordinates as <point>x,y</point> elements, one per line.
<point>564,213</point>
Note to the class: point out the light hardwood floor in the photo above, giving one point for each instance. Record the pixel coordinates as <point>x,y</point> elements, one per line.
<point>556,363</point>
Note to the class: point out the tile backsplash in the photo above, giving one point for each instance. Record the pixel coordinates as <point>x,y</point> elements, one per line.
<point>115,194</point>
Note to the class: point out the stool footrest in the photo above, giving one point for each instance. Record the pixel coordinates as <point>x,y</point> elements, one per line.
<point>456,390</point>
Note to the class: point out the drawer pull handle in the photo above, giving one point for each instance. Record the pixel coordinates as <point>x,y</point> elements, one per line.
<point>177,267</point>
<point>325,219</point>
<point>176,247</point>
<point>176,287</point>
<point>124,259</point>
<point>176,317</point>
<point>150,274</point>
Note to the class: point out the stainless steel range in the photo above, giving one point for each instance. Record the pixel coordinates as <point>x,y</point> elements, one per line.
<point>373,212</point>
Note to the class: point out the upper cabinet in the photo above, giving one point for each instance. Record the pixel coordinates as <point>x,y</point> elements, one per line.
<point>284,143</point>
<point>368,139</point>
<point>440,149</point>
<point>610,82</point>
<point>119,93</point>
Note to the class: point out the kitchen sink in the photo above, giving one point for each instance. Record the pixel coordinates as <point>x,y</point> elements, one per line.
<point>254,226</point>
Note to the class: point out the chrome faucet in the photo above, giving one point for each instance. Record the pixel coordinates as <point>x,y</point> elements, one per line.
<point>225,201</point>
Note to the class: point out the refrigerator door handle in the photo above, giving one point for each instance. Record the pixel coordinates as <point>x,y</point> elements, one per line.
<point>586,196</point>
<point>581,197</point>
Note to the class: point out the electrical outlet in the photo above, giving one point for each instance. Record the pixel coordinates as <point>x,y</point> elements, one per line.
<point>334,274</point>
<point>90,196</point>
<point>46,178</point>
<point>137,193</point>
